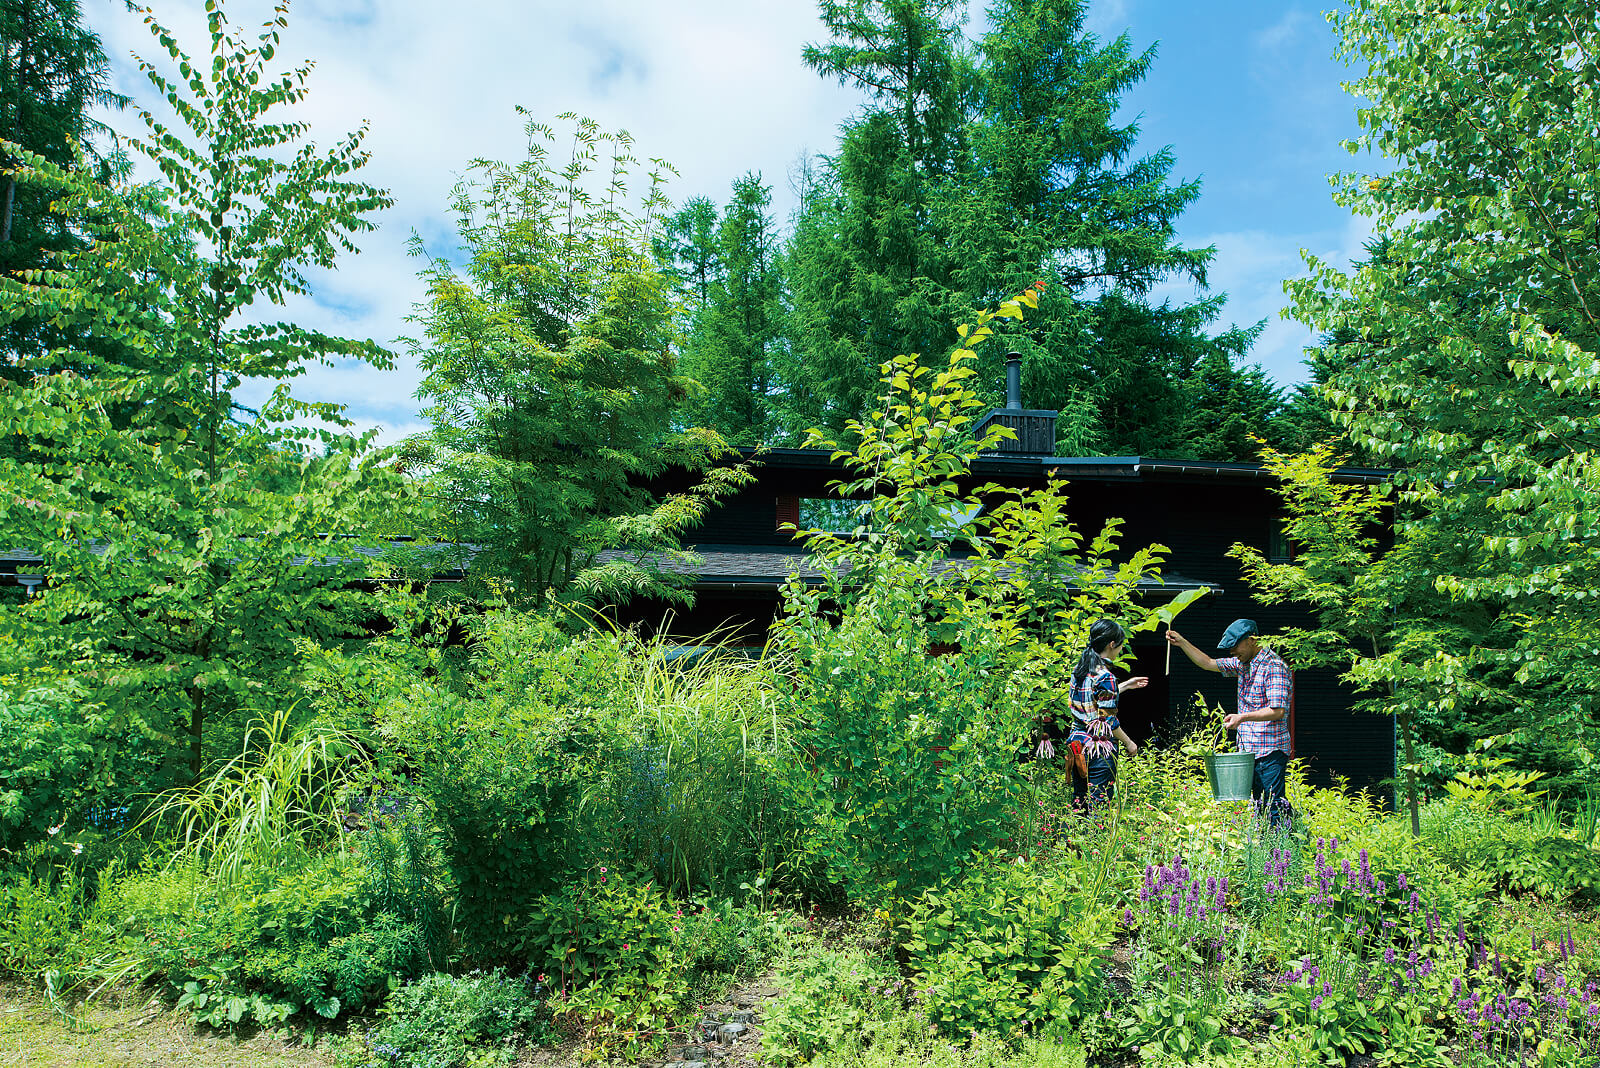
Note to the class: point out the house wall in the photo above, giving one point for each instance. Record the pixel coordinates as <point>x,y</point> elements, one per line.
<point>1198,516</point>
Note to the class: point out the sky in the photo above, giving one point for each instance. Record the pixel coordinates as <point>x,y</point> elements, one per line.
<point>1245,92</point>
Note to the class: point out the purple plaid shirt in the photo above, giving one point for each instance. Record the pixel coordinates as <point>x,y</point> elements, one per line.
<point>1265,684</point>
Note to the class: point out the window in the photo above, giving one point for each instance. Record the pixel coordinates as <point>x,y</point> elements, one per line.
<point>830,514</point>
<point>1279,551</point>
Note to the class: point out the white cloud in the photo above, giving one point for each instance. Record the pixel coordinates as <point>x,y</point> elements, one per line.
<point>1107,18</point>
<point>714,87</point>
<point>1285,35</point>
<point>1250,267</point>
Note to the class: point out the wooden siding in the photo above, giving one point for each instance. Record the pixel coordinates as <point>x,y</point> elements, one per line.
<point>1198,516</point>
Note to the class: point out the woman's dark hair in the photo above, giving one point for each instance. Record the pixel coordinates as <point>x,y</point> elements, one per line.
<point>1102,635</point>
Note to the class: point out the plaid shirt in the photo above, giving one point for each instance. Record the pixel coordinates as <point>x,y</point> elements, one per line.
<point>1265,684</point>
<point>1094,706</point>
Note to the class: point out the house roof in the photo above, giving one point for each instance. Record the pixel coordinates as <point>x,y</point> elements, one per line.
<point>1109,468</point>
<point>757,567</point>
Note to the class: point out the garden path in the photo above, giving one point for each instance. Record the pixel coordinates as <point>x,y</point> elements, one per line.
<point>130,1033</point>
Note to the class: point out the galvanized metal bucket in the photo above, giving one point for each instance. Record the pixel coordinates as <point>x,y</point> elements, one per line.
<point>1230,775</point>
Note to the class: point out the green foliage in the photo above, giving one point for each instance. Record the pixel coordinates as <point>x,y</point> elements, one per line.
<point>402,860</point>
<point>611,944</point>
<point>57,925</point>
<point>1010,944</point>
<point>1364,595</point>
<point>290,937</point>
<point>876,716</point>
<point>55,757</point>
<point>828,996</point>
<point>551,386</point>
<point>975,168</point>
<point>446,1021</point>
<point>278,798</point>
<point>689,785</point>
<point>53,76</point>
<point>554,752</point>
<point>189,541</point>
<point>625,959</point>
<point>729,270</point>
<point>1470,365</point>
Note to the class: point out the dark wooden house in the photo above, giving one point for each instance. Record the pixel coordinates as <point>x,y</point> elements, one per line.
<point>1198,509</point>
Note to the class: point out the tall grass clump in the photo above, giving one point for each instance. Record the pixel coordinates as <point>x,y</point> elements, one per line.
<point>278,797</point>
<point>691,791</point>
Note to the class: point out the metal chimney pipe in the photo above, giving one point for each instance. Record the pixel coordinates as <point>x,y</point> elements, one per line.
<point>1014,381</point>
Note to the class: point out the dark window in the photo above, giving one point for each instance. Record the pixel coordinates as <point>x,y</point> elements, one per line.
<point>1279,551</point>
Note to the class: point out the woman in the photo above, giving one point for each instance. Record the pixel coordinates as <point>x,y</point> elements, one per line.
<point>1095,694</point>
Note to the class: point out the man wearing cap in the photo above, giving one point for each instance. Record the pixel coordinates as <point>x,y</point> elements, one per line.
<point>1262,719</point>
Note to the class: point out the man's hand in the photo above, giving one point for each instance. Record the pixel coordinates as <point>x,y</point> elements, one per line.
<point>1174,637</point>
<point>1231,722</point>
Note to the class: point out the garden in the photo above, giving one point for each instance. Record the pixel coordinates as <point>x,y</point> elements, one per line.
<point>319,752</point>
<point>487,831</point>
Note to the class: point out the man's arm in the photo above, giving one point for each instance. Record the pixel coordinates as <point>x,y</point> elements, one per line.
<point>1265,715</point>
<point>1201,660</point>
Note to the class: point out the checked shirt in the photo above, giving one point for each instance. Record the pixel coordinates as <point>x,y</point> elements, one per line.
<point>1264,684</point>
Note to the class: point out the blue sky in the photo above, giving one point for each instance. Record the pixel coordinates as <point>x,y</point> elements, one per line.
<point>1246,93</point>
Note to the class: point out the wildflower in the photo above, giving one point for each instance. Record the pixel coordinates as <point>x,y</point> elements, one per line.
<point>56,829</point>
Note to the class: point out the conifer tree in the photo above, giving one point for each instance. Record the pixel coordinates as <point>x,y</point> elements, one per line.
<point>975,170</point>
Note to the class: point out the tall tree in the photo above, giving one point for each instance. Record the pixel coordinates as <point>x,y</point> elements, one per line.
<point>1484,317</point>
<point>689,250</point>
<point>53,74</point>
<point>1028,178</point>
<point>868,273</point>
<point>551,380</point>
<point>731,336</point>
<point>189,541</point>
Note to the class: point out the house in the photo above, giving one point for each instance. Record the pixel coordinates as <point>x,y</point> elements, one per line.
<point>1198,509</point>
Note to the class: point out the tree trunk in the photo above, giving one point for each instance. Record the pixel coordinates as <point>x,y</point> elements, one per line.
<point>5,210</point>
<point>1404,720</point>
<point>197,723</point>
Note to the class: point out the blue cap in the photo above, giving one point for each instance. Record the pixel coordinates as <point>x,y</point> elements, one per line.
<point>1237,631</point>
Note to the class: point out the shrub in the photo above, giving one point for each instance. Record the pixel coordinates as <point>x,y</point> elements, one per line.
<point>615,948</point>
<point>1007,945</point>
<point>829,996</point>
<point>444,1021</point>
<point>56,754</point>
<point>275,943</point>
<point>61,922</point>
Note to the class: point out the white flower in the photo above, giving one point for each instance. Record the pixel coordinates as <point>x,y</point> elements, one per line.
<point>77,847</point>
<point>56,829</point>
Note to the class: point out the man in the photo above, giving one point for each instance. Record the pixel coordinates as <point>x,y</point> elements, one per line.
<point>1262,719</point>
